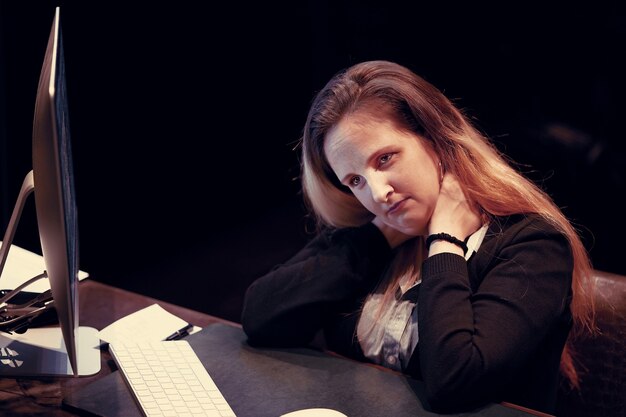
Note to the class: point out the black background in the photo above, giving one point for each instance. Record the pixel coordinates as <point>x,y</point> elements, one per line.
<point>184,117</point>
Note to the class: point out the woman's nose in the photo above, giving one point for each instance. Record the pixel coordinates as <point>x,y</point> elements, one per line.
<point>380,189</point>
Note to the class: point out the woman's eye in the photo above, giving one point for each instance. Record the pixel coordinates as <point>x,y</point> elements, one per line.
<point>354,181</point>
<point>384,159</point>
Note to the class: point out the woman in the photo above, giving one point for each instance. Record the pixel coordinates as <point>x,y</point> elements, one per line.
<point>434,256</point>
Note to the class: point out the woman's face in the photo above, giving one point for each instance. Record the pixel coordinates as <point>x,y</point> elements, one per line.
<point>391,171</point>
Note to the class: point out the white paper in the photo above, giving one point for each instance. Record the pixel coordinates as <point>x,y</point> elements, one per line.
<point>152,323</point>
<point>22,265</point>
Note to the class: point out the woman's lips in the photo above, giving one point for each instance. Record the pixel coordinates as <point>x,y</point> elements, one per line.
<point>395,207</point>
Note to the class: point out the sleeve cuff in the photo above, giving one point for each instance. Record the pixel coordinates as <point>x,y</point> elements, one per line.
<point>444,263</point>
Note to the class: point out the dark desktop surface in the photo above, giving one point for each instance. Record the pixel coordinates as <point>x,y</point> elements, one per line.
<point>272,382</point>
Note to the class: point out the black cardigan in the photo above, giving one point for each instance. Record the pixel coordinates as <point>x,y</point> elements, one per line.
<point>490,329</point>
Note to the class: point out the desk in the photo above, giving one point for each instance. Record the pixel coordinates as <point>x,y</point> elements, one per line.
<point>100,305</point>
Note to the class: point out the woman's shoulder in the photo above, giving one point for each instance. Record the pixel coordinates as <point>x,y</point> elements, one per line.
<point>523,239</point>
<point>516,229</point>
<point>523,223</point>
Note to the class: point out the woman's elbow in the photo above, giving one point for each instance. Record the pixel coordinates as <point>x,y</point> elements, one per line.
<point>258,332</point>
<point>278,332</point>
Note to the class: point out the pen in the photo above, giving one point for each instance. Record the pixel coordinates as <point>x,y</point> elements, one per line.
<point>179,334</point>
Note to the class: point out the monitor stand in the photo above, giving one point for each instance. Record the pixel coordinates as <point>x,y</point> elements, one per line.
<point>28,185</point>
<point>41,352</point>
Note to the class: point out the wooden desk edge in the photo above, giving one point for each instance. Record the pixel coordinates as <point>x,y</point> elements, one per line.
<point>527,410</point>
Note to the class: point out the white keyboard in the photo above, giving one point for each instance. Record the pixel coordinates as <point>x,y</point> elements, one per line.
<point>168,379</point>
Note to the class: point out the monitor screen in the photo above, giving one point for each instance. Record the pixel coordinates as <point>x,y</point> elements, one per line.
<point>54,188</point>
<point>68,349</point>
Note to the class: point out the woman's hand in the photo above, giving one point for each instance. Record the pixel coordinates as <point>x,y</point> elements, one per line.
<point>453,214</point>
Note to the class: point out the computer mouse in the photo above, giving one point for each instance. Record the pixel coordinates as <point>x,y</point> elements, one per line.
<point>315,412</point>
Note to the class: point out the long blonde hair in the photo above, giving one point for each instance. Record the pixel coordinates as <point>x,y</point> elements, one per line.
<point>487,177</point>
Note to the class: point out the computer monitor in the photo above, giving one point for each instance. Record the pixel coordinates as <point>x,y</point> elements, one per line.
<point>68,349</point>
